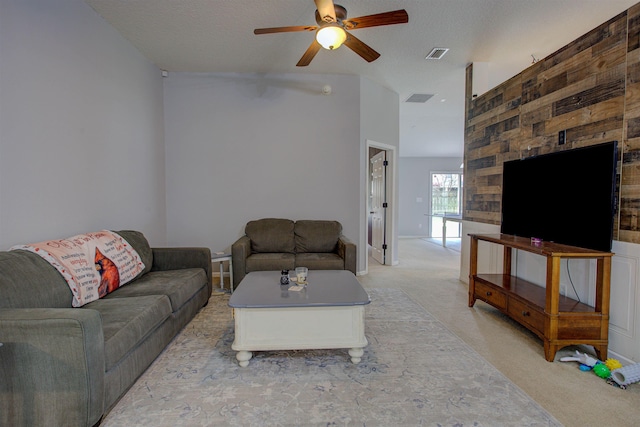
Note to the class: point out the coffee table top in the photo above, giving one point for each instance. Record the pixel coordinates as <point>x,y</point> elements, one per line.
<point>262,289</point>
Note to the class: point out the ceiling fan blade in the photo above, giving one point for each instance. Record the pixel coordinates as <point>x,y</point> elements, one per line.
<point>361,48</point>
<point>310,53</point>
<point>284,29</point>
<point>386,18</point>
<point>326,10</point>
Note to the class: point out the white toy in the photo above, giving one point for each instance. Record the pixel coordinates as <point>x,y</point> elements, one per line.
<point>583,358</point>
<point>626,375</point>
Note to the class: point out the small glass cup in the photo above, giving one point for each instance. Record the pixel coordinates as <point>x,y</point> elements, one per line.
<point>301,274</point>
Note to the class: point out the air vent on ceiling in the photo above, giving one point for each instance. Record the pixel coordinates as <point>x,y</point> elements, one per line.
<point>437,53</point>
<point>420,98</point>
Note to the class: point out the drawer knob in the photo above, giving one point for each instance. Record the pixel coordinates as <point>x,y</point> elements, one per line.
<point>525,313</point>
<point>488,293</point>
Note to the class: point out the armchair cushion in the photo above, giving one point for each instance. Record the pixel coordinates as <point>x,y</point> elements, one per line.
<point>271,235</point>
<point>317,236</point>
<point>320,261</point>
<point>271,261</point>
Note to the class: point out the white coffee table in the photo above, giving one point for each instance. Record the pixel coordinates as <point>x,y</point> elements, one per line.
<point>328,313</point>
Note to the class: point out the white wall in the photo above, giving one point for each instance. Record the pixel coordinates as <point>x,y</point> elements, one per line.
<point>379,126</point>
<point>81,133</point>
<point>415,183</point>
<point>83,144</point>
<point>241,147</point>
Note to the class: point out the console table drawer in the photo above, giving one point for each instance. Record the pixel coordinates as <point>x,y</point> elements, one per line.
<point>526,315</point>
<point>491,295</point>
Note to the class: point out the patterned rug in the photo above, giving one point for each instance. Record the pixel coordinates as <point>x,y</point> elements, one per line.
<point>413,372</point>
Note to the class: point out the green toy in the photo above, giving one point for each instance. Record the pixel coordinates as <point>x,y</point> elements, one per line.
<point>601,370</point>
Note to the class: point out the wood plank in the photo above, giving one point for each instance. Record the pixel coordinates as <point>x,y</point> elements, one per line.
<point>497,170</point>
<point>604,136</point>
<point>597,114</point>
<point>560,94</point>
<point>633,28</point>
<point>633,127</point>
<point>482,216</point>
<point>629,236</point>
<point>490,190</point>
<point>588,97</point>
<point>481,163</point>
<point>538,115</point>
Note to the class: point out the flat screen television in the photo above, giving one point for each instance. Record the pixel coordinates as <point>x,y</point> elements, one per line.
<point>565,197</point>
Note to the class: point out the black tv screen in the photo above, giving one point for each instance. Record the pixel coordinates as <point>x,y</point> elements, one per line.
<point>565,197</point>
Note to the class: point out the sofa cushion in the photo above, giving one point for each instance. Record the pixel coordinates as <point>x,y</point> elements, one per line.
<point>271,261</point>
<point>28,281</point>
<point>271,235</point>
<point>140,244</point>
<point>178,285</point>
<point>320,261</point>
<point>317,236</point>
<point>127,321</point>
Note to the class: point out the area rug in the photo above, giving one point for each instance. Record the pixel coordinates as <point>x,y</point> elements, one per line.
<point>413,372</point>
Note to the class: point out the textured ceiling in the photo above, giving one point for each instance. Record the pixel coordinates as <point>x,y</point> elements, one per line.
<point>217,36</point>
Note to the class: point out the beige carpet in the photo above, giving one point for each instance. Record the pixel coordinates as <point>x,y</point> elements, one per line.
<point>429,274</point>
<point>414,371</point>
<point>426,285</point>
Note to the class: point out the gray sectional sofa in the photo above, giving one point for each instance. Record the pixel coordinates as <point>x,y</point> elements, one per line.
<point>279,244</point>
<point>65,366</point>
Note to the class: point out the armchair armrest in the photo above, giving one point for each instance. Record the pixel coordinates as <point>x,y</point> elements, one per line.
<point>240,251</point>
<point>179,258</point>
<point>348,251</point>
<point>51,366</point>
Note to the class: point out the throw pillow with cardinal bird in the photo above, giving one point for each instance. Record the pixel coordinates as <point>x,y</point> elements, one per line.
<point>93,264</point>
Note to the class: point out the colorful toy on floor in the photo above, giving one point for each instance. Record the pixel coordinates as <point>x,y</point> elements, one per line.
<point>626,375</point>
<point>613,364</point>
<point>610,370</point>
<point>602,371</point>
<point>583,358</point>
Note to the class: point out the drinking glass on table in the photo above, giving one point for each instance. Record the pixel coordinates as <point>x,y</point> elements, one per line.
<point>301,275</point>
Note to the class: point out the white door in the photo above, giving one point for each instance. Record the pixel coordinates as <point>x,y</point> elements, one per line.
<point>378,206</point>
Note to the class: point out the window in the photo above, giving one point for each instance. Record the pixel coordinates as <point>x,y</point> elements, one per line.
<point>446,200</point>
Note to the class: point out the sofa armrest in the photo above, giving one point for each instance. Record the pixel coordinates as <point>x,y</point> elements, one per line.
<point>348,251</point>
<point>181,257</point>
<point>240,251</point>
<point>51,366</point>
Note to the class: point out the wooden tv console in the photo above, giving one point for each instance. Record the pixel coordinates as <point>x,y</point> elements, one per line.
<point>559,322</point>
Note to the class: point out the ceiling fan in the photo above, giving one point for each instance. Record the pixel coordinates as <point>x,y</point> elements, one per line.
<point>331,31</point>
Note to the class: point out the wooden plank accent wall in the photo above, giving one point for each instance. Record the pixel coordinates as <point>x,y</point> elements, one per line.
<point>590,88</point>
<point>629,230</point>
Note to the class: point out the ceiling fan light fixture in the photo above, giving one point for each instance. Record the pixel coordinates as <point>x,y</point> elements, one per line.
<point>331,36</point>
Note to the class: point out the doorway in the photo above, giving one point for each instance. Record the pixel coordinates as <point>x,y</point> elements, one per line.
<point>378,204</point>
<point>386,240</point>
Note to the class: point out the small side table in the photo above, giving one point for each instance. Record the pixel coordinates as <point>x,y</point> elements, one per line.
<point>220,258</point>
